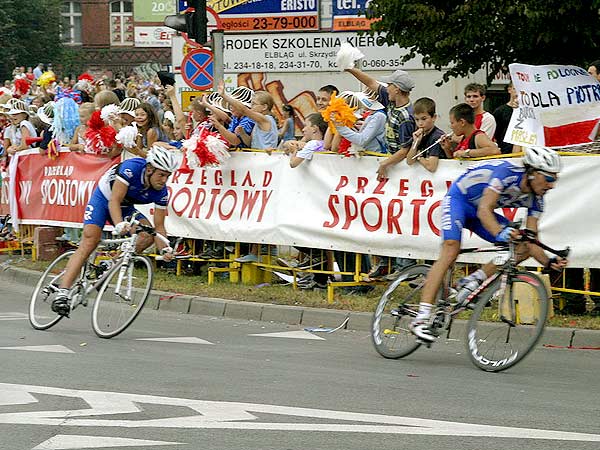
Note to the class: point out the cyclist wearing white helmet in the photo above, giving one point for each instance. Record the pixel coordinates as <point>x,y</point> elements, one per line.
<point>132,182</point>
<point>471,202</point>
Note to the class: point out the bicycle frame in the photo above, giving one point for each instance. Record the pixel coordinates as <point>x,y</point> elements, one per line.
<point>83,286</point>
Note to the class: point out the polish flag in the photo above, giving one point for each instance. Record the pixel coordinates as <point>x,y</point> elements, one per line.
<point>571,125</point>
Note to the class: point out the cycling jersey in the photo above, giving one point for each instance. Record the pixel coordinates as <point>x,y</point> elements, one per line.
<point>459,208</point>
<point>130,172</point>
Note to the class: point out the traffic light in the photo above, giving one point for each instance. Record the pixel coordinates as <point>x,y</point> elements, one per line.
<point>192,21</point>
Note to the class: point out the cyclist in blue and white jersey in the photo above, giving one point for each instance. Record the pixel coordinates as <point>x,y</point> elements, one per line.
<point>134,181</point>
<point>470,203</point>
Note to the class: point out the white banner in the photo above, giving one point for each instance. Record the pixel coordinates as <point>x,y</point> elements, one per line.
<point>330,202</point>
<point>558,106</point>
<point>337,203</point>
<point>308,52</point>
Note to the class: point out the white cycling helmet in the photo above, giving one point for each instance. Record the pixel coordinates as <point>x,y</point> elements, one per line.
<point>542,158</point>
<point>163,159</point>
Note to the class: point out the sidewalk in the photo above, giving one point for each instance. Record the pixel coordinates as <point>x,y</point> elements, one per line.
<point>300,316</point>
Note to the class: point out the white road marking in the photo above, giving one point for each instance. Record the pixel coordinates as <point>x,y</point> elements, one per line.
<point>178,340</point>
<point>41,348</point>
<point>13,316</point>
<point>66,441</point>
<point>239,416</point>
<point>291,335</point>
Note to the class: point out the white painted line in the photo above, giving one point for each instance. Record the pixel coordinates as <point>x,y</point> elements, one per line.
<point>65,442</point>
<point>178,340</point>
<point>13,316</point>
<point>291,335</point>
<point>101,407</point>
<point>41,348</point>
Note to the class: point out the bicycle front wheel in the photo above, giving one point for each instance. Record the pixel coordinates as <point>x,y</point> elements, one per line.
<point>122,296</point>
<point>41,315</point>
<point>507,323</point>
<point>399,304</point>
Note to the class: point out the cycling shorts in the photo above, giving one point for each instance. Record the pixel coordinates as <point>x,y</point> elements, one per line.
<point>97,213</point>
<point>459,213</point>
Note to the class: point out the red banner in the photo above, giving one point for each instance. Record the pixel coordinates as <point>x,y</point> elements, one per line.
<point>4,206</point>
<point>55,192</point>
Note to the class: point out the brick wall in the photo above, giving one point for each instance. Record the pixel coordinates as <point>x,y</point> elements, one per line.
<point>96,42</point>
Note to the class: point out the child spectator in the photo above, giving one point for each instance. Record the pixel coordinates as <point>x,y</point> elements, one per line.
<point>371,134</point>
<point>15,136</point>
<point>127,110</point>
<point>239,128</point>
<point>149,129</point>
<point>46,116</point>
<point>264,133</point>
<point>323,98</point>
<point>400,124</point>
<point>334,142</point>
<point>313,132</point>
<point>85,113</point>
<point>286,132</point>
<point>427,137</point>
<point>475,143</point>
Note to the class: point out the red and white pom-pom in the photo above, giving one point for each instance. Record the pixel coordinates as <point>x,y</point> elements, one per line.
<point>206,149</point>
<point>109,112</point>
<point>344,148</point>
<point>127,135</point>
<point>21,86</point>
<point>347,55</point>
<point>218,147</point>
<point>86,76</point>
<point>99,138</point>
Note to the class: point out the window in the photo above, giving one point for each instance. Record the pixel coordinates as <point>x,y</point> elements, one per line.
<point>70,32</point>
<point>121,23</point>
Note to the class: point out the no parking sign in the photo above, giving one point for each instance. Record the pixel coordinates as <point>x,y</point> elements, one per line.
<point>197,69</point>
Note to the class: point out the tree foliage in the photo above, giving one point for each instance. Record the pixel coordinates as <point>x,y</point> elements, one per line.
<point>463,36</point>
<point>30,31</point>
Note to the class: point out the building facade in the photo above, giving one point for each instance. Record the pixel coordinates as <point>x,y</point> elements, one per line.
<point>108,36</point>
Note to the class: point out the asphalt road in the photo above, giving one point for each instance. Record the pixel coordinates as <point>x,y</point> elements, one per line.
<point>221,387</point>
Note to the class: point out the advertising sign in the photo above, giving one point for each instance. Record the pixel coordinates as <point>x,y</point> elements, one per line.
<point>153,36</point>
<point>308,52</point>
<point>349,15</point>
<point>270,15</point>
<point>152,10</point>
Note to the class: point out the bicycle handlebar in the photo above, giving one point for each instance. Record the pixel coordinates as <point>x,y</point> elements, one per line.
<point>530,236</point>
<point>145,228</point>
<point>525,236</point>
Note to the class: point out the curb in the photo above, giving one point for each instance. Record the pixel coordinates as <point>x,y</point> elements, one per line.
<point>305,316</point>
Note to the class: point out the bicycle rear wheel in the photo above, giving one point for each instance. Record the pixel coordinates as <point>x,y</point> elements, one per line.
<point>507,323</point>
<point>399,304</point>
<point>117,307</point>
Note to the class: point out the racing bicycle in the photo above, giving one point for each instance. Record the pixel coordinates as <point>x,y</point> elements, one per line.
<point>121,286</point>
<point>498,334</point>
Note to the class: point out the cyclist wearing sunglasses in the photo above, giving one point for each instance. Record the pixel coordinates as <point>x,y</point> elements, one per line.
<point>470,203</point>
